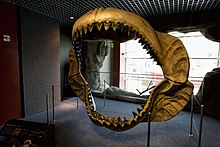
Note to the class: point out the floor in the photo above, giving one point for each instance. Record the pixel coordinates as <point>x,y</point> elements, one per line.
<point>73,128</point>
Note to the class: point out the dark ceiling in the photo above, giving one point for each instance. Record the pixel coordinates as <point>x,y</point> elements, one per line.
<point>63,9</point>
<point>163,15</point>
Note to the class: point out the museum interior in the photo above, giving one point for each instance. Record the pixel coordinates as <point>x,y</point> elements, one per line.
<point>128,73</point>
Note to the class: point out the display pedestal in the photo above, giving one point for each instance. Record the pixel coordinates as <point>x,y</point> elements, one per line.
<point>20,133</point>
<point>192,122</point>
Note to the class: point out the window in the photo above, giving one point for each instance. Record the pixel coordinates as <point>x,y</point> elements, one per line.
<point>137,70</point>
<point>204,55</point>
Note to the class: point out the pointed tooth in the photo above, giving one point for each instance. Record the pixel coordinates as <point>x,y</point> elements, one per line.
<point>119,126</point>
<point>127,125</point>
<point>122,28</point>
<point>142,105</point>
<point>99,26</point>
<point>129,32</point>
<point>114,27</point>
<point>135,36</point>
<point>149,52</point>
<point>124,119</point>
<point>105,123</point>
<point>113,119</point>
<point>158,63</point>
<point>80,32</point>
<point>134,113</point>
<point>139,110</point>
<point>132,122</point>
<point>146,47</point>
<point>141,40</point>
<point>111,125</point>
<point>85,29</point>
<point>106,26</point>
<point>95,114</point>
<point>119,119</point>
<point>90,27</point>
<point>76,34</point>
<point>108,118</point>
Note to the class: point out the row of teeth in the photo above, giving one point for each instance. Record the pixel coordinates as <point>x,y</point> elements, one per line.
<point>91,101</point>
<point>107,25</point>
<point>117,26</point>
<point>118,124</point>
<point>99,119</point>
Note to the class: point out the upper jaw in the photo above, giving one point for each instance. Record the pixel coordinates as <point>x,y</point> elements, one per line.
<point>107,24</point>
<point>160,46</point>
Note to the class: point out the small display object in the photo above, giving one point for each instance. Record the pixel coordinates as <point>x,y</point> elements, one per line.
<point>21,133</point>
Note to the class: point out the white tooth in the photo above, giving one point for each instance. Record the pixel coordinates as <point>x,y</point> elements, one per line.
<point>106,26</point>
<point>76,34</point>
<point>129,32</point>
<point>115,26</point>
<point>90,27</point>
<point>81,32</point>
<point>135,36</point>
<point>99,26</point>
<point>85,29</point>
<point>139,110</point>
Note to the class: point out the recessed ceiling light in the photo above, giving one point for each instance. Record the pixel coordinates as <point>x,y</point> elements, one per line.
<point>71,17</point>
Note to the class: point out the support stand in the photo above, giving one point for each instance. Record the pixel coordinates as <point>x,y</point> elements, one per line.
<point>148,130</point>
<point>192,120</point>
<point>47,105</point>
<point>77,103</point>
<point>53,99</point>
<point>105,92</point>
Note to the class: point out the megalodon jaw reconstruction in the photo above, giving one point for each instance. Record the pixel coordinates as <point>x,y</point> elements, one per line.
<point>167,99</point>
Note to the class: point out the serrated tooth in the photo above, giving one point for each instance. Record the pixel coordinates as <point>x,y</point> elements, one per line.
<point>99,26</point>
<point>76,34</point>
<point>90,27</point>
<point>95,114</point>
<point>119,119</point>
<point>108,118</point>
<point>105,123</point>
<point>80,32</point>
<point>146,47</point>
<point>132,122</point>
<point>114,26</point>
<point>113,119</point>
<point>119,126</point>
<point>124,119</point>
<point>129,32</point>
<point>134,113</point>
<point>135,35</point>
<point>142,105</point>
<point>111,125</point>
<point>139,110</point>
<point>85,29</point>
<point>149,52</point>
<point>158,63</point>
<point>106,26</point>
<point>122,28</point>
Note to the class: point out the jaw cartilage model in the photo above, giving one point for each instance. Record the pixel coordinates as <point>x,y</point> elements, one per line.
<point>167,99</point>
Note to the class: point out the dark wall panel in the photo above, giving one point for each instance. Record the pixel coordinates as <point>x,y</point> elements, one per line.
<point>8,25</point>
<point>65,46</point>
<point>10,98</point>
<point>40,59</point>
